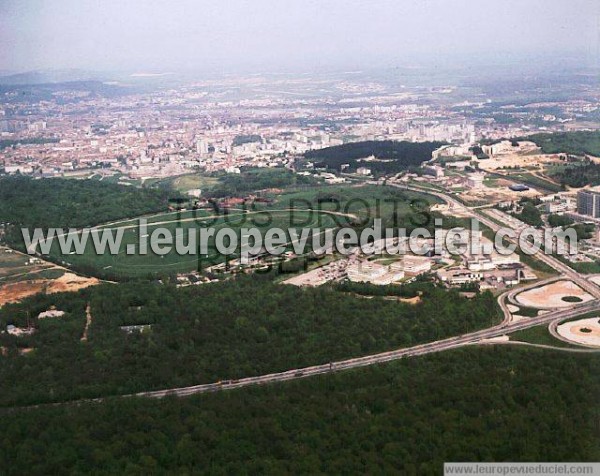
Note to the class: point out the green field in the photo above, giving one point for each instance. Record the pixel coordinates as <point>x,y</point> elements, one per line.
<point>366,202</point>
<point>184,183</point>
<point>536,182</point>
<point>323,208</point>
<point>15,267</point>
<point>137,264</point>
<point>540,335</point>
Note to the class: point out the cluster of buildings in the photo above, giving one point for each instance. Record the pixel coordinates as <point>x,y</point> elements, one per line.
<point>453,260</point>
<point>437,174</point>
<point>382,274</point>
<point>226,124</point>
<point>482,264</point>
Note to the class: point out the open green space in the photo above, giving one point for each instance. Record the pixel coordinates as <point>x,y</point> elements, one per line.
<point>15,267</point>
<point>11,263</point>
<point>257,181</point>
<point>539,335</point>
<point>527,311</point>
<point>184,183</point>
<point>314,208</point>
<point>367,202</point>
<point>137,263</point>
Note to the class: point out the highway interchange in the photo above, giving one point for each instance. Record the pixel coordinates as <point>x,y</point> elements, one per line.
<point>483,336</point>
<point>422,349</point>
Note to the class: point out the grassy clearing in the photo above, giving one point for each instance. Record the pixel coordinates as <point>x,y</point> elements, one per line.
<point>527,311</point>
<point>323,208</point>
<point>536,182</point>
<point>14,267</point>
<point>539,335</point>
<point>184,183</point>
<point>137,264</point>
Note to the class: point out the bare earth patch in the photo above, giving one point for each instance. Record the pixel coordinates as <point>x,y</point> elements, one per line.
<point>413,300</point>
<point>15,292</point>
<point>551,295</point>
<point>498,193</point>
<point>69,282</point>
<point>584,331</point>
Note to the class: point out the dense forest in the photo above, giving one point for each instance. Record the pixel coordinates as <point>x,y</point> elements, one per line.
<point>4,143</point>
<point>529,214</point>
<point>62,203</point>
<point>246,139</point>
<point>393,156</point>
<point>201,334</point>
<point>579,175</point>
<point>576,142</point>
<point>72,203</point>
<point>406,417</point>
<point>555,220</point>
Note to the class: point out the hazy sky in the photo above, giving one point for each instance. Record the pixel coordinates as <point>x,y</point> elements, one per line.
<point>287,34</point>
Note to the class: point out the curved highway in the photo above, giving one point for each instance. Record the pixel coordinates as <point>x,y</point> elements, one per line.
<point>477,337</point>
<point>422,349</point>
<point>504,328</point>
<point>550,260</point>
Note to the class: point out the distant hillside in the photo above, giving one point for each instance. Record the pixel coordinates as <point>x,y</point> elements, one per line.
<point>391,156</point>
<point>50,76</point>
<point>54,91</point>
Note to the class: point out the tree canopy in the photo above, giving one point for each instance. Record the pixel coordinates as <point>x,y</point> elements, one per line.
<point>392,156</point>
<point>407,417</point>
<point>202,334</point>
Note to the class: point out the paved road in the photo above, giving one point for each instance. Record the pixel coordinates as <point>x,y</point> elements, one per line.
<point>551,261</point>
<point>511,295</point>
<point>504,328</point>
<point>446,344</point>
<point>507,298</point>
<point>544,346</point>
<point>437,346</point>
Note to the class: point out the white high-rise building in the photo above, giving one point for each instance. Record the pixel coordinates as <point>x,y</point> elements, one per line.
<point>202,146</point>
